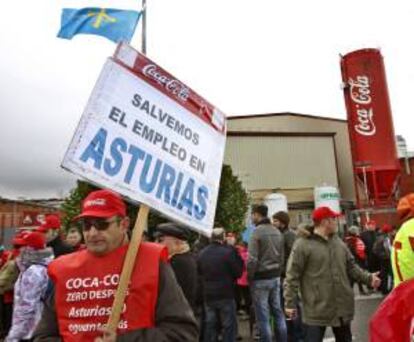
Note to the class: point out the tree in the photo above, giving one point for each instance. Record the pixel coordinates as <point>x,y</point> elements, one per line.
<point>232,202</point>
<point>231,208</point>
<point>71,206</point>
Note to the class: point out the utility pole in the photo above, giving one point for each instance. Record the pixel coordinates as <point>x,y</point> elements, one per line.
<point>144,27</point>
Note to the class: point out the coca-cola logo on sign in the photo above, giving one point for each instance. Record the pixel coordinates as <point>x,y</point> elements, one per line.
<point>172,85</point>
<point>361,95</point>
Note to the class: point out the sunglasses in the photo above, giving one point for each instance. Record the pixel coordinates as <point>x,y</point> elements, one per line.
<point>100,224</point>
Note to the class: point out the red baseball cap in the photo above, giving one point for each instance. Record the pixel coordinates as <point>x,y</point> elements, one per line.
<point>323,213</point>
<point>51,222</point>
<point>102,203</point>
<point>386,228</point>
<point>35,240</point>
<point>18,238</point>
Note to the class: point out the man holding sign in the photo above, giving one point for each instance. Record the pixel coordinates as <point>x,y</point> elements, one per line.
<point>149,137</point>
<point>85,283</point>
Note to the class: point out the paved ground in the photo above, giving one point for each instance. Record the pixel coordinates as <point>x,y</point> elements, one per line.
<point>365,307</point>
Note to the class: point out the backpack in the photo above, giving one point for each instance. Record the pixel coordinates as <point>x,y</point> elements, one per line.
<point>8,276</point>
<point>380,249</point>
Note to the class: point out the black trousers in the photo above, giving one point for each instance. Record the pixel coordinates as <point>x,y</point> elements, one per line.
<point>6,313</point>
<point>243,295</point>
<point>386,276</point>
<point>316,333</point>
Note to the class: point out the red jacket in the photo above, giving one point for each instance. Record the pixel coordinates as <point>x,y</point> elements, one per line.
<point>357,247</point>
<point>6,256</point>
<point>394,319</point>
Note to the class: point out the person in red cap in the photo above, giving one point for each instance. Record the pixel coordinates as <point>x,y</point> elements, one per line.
<point>9,273</point>
<point>51,229</point>
<point>320,268</point>
<point>31,285</point>
<point>85,282</point>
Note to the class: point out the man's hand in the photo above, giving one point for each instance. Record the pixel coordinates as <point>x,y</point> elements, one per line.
<point>107,335</point>
<point>290,313</point>
<point>375,280</point>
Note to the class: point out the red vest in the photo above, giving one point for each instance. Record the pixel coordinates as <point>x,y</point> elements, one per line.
<point>85,285</point>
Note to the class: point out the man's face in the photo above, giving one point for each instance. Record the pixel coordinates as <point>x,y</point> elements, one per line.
<point>51,234</point>
<point>331,225</point>
<point>170,242</point>
<point>73,238</point>
<point>256,218</point>
<point>277,224</point>
<point>231,240</point>
<point>104,235</point>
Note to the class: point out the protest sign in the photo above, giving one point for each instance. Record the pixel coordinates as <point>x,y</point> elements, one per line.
<point>151,138</point>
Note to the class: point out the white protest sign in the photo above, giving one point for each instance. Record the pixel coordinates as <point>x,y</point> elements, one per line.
<point>149,137</point>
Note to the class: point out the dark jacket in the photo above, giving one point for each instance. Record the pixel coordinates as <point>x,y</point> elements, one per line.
<point>320,270</point>
<point>266,252</point>
<point>174,319</point>
<point>185,270</point>
<point>59,247</point>
<point>219,267</point>
<point>369,237</point>
<point>289,238</point>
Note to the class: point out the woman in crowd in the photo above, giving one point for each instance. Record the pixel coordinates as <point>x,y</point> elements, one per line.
<point>30,288</point>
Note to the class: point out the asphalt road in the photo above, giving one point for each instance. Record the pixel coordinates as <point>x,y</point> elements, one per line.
<point>364,309</point>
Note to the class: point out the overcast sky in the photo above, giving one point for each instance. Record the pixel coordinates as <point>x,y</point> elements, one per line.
<point>246,57</point>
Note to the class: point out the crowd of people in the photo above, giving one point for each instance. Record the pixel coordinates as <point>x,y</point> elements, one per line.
<point>290,284</point>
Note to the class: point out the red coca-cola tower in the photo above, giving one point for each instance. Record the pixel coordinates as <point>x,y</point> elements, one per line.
<point>371,130</point>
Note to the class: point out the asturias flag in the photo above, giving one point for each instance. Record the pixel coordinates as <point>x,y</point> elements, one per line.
<point>114,24</point>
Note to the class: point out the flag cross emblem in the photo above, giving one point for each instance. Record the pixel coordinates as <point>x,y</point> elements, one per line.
<point>101,17</point>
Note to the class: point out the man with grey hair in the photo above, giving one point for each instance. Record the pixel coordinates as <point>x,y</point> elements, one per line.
<point>219,267</point>
<point>358,250</point>
<point>182,261</point>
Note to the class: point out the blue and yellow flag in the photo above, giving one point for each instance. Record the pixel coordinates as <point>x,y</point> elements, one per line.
<point>114,24</point>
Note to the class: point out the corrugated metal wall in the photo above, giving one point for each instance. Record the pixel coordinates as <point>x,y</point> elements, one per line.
<point>282,161</point>
<point>297,123</point>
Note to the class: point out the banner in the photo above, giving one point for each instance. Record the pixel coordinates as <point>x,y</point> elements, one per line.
<point>149,137</point>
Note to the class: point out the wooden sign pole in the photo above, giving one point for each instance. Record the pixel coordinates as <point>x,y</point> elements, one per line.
<point>128,267</point>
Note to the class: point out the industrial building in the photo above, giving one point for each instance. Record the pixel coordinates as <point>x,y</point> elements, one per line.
<point>291,154</point>
<point>23,213</point>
